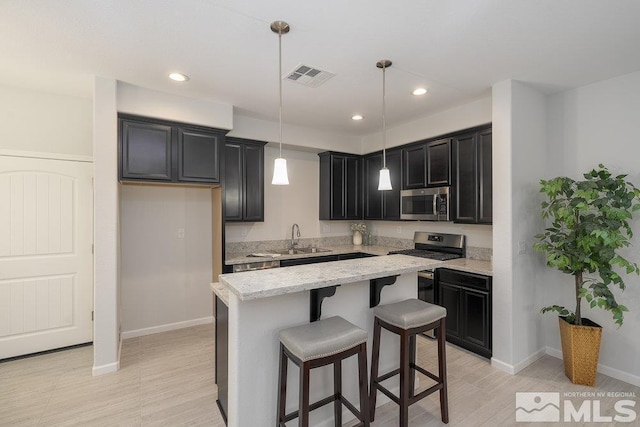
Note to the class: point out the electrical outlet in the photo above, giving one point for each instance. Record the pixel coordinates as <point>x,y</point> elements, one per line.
<point>522,247</point>
<point>180,233</point>
<point>244,231</point>
<point>399,229</point>
<point>326,228</point>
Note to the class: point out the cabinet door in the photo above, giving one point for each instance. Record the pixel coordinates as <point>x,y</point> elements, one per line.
<point>449,296</point>
<point>477,321</point>
<point>338,173</point>
<point>145,151</point>
<point>253,200</point>
<point>438,163</point>
<point>391,198</point>
<point>485,165</point>
<point>414,162</point>
<point>352,188</point>
<point>373,197</point>
<point>465,183</point>
<point>233,181</point>
<point>198,159</point>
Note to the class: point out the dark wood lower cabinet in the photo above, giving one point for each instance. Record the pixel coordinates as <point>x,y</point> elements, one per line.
<point>467,298</point>
<point>222,356</point>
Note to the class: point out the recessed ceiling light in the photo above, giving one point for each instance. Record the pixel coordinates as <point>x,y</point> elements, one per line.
<point>178,77</point>
<point>357,117</point>
<point>419,91</point>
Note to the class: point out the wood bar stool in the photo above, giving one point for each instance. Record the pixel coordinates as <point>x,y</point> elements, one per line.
<point>317,344</point>
<point>407,319</point>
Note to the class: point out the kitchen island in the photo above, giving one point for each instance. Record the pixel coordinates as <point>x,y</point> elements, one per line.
<point>261,303</point>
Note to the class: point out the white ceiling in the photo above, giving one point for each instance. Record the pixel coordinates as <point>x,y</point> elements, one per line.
<point>457,48</point>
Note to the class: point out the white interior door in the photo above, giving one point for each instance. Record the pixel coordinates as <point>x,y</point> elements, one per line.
<point>46,261</point>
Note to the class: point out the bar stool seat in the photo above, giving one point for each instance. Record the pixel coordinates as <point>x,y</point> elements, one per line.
<point>408,319</point>
<point>410,313</point>
<point>317,344</point>
<point>322,338</point>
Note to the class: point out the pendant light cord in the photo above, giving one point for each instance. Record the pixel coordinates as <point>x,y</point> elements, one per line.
<point>280,83</point>
<point>384,121</point>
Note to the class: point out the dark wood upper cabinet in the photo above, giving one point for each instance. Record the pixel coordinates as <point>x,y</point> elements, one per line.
<point>427,164</point>
<point>244,180</point>
<point>340,186</point>
<point>158,150</point>
<point>485,167</point>
<point>145,151</point>
<point>472,184</point>
<point>198,153</point>
<point>382,204</point>
<point>414,167</point>
<point>439,163</point>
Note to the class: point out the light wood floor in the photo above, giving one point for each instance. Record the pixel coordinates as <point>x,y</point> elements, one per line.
<point>168,379</point>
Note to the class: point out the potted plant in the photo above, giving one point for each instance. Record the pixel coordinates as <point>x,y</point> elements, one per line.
<point>589,224</point>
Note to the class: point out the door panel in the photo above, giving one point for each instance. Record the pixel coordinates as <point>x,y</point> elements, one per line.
<point>46,264</point>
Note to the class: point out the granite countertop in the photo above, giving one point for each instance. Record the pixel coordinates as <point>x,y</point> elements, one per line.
<point>470,266</point>
<point>221,292</point>
<point>232,258</point>
<point>258,284</point>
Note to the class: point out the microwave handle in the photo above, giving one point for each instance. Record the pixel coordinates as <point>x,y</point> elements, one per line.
<point>435,204</point>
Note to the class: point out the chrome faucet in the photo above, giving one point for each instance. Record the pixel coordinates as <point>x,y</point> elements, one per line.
<point>293,242</point>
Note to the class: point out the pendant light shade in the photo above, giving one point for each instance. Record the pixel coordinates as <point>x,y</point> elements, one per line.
<point>384,182</point>
<point>280,172</point>
<point>280,176</point>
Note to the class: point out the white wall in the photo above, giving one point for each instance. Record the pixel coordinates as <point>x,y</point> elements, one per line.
<point>285,205</point>
<point>464,116</point>
<point>165,277</point>
<point>44,122</point>
<point>150,103</point>
<point>599,123</point>
<point>106,229</point>
<point>294,137</point>
<point>519,150</point>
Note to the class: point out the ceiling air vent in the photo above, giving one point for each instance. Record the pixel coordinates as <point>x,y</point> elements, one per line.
<point>308,76</point>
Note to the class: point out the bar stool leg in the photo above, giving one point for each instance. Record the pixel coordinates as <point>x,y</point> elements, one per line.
<point>282,386</point>
<point>337,391</point>
<point>404,379</point>
<point>303,409</point>
<point>442,371</point>
<point>362,383</point>
<point>412,364</point>
<point>375,358</point>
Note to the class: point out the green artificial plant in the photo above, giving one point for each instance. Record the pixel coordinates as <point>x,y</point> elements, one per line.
<point>590,222</point>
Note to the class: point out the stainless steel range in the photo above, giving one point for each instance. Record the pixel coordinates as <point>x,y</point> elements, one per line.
<point>438,246</point>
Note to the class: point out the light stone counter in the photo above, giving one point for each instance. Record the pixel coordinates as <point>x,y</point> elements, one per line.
<point>470,266</point>
<point>232,258</point>
<point>253,285</point>
<point>221,292</point>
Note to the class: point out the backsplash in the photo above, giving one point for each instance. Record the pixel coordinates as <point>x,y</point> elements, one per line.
<point>484,254</point>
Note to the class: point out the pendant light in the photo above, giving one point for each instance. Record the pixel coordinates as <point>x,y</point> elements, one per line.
<point>384,183</point>
<point>280,166</point>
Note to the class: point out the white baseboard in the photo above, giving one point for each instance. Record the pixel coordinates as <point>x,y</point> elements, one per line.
<point>514,369</point>
<point>603,369</point>
<point>105,369</point>
<point>529,360</point>
<point>166,327</point>
<point>505,367</point>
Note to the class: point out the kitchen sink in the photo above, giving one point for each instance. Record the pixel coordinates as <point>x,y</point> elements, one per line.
<point>308,250</point>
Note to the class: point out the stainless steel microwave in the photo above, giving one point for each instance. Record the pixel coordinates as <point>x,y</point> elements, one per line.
<point>426,204</point>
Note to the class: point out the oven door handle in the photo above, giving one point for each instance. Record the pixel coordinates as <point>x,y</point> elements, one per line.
<point>435,204</point>
<point>426,274</point>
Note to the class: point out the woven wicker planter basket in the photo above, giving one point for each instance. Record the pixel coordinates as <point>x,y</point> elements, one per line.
<point>580,350</point>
